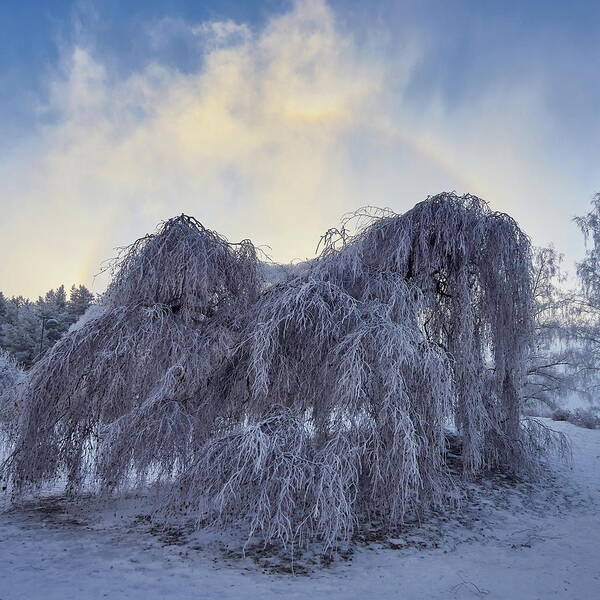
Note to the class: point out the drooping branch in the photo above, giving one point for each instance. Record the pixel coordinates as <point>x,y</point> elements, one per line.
<point>312,406</point>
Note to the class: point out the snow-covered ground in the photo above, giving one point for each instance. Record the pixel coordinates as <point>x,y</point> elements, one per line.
<point>513,543</point>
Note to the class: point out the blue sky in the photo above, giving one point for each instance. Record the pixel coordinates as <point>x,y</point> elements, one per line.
<point>473,42</point>
<point>34,33</point>
<point>258,116</point>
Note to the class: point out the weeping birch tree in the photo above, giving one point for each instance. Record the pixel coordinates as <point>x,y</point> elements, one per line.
<point>310,407</point>
<point>127,386</point>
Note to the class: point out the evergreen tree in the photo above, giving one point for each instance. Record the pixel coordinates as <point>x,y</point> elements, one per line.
<point>3,308</point>
<point>28,330</point>
<point>79,301</point>
<point>21,337</point>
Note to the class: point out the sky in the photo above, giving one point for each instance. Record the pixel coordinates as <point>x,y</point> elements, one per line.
<point>270,119</point>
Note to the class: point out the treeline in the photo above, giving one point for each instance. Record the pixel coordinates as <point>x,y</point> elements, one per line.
<point>28,329</point>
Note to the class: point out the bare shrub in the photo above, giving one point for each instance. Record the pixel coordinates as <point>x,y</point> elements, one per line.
<point>585,418</point>
<point>561,414</point>
<point>540,440</point>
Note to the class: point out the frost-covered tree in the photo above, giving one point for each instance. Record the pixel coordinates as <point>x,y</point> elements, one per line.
<point>588,269</point>
<point>29,329</point>
<point>565,362</point>
<point>553,371</point>
<point>351,370</point>
<point>10,372</point>
<point>3,309</point>
<point>21,334</point>
<point>80,299</point>
<point>584,328</point>
<point>313,406</point>
<point>130,381</point>
<point>11,376</point>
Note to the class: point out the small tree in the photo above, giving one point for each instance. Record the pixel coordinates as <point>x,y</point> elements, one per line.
<point>80,299</point>
<point>588,269</point>
<point>553,366</point>
<point>584,330</point>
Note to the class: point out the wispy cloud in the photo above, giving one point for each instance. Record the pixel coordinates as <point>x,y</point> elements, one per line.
<point>275,134</point>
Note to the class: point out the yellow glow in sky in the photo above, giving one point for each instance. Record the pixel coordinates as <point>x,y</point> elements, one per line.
<point>273,138</point>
